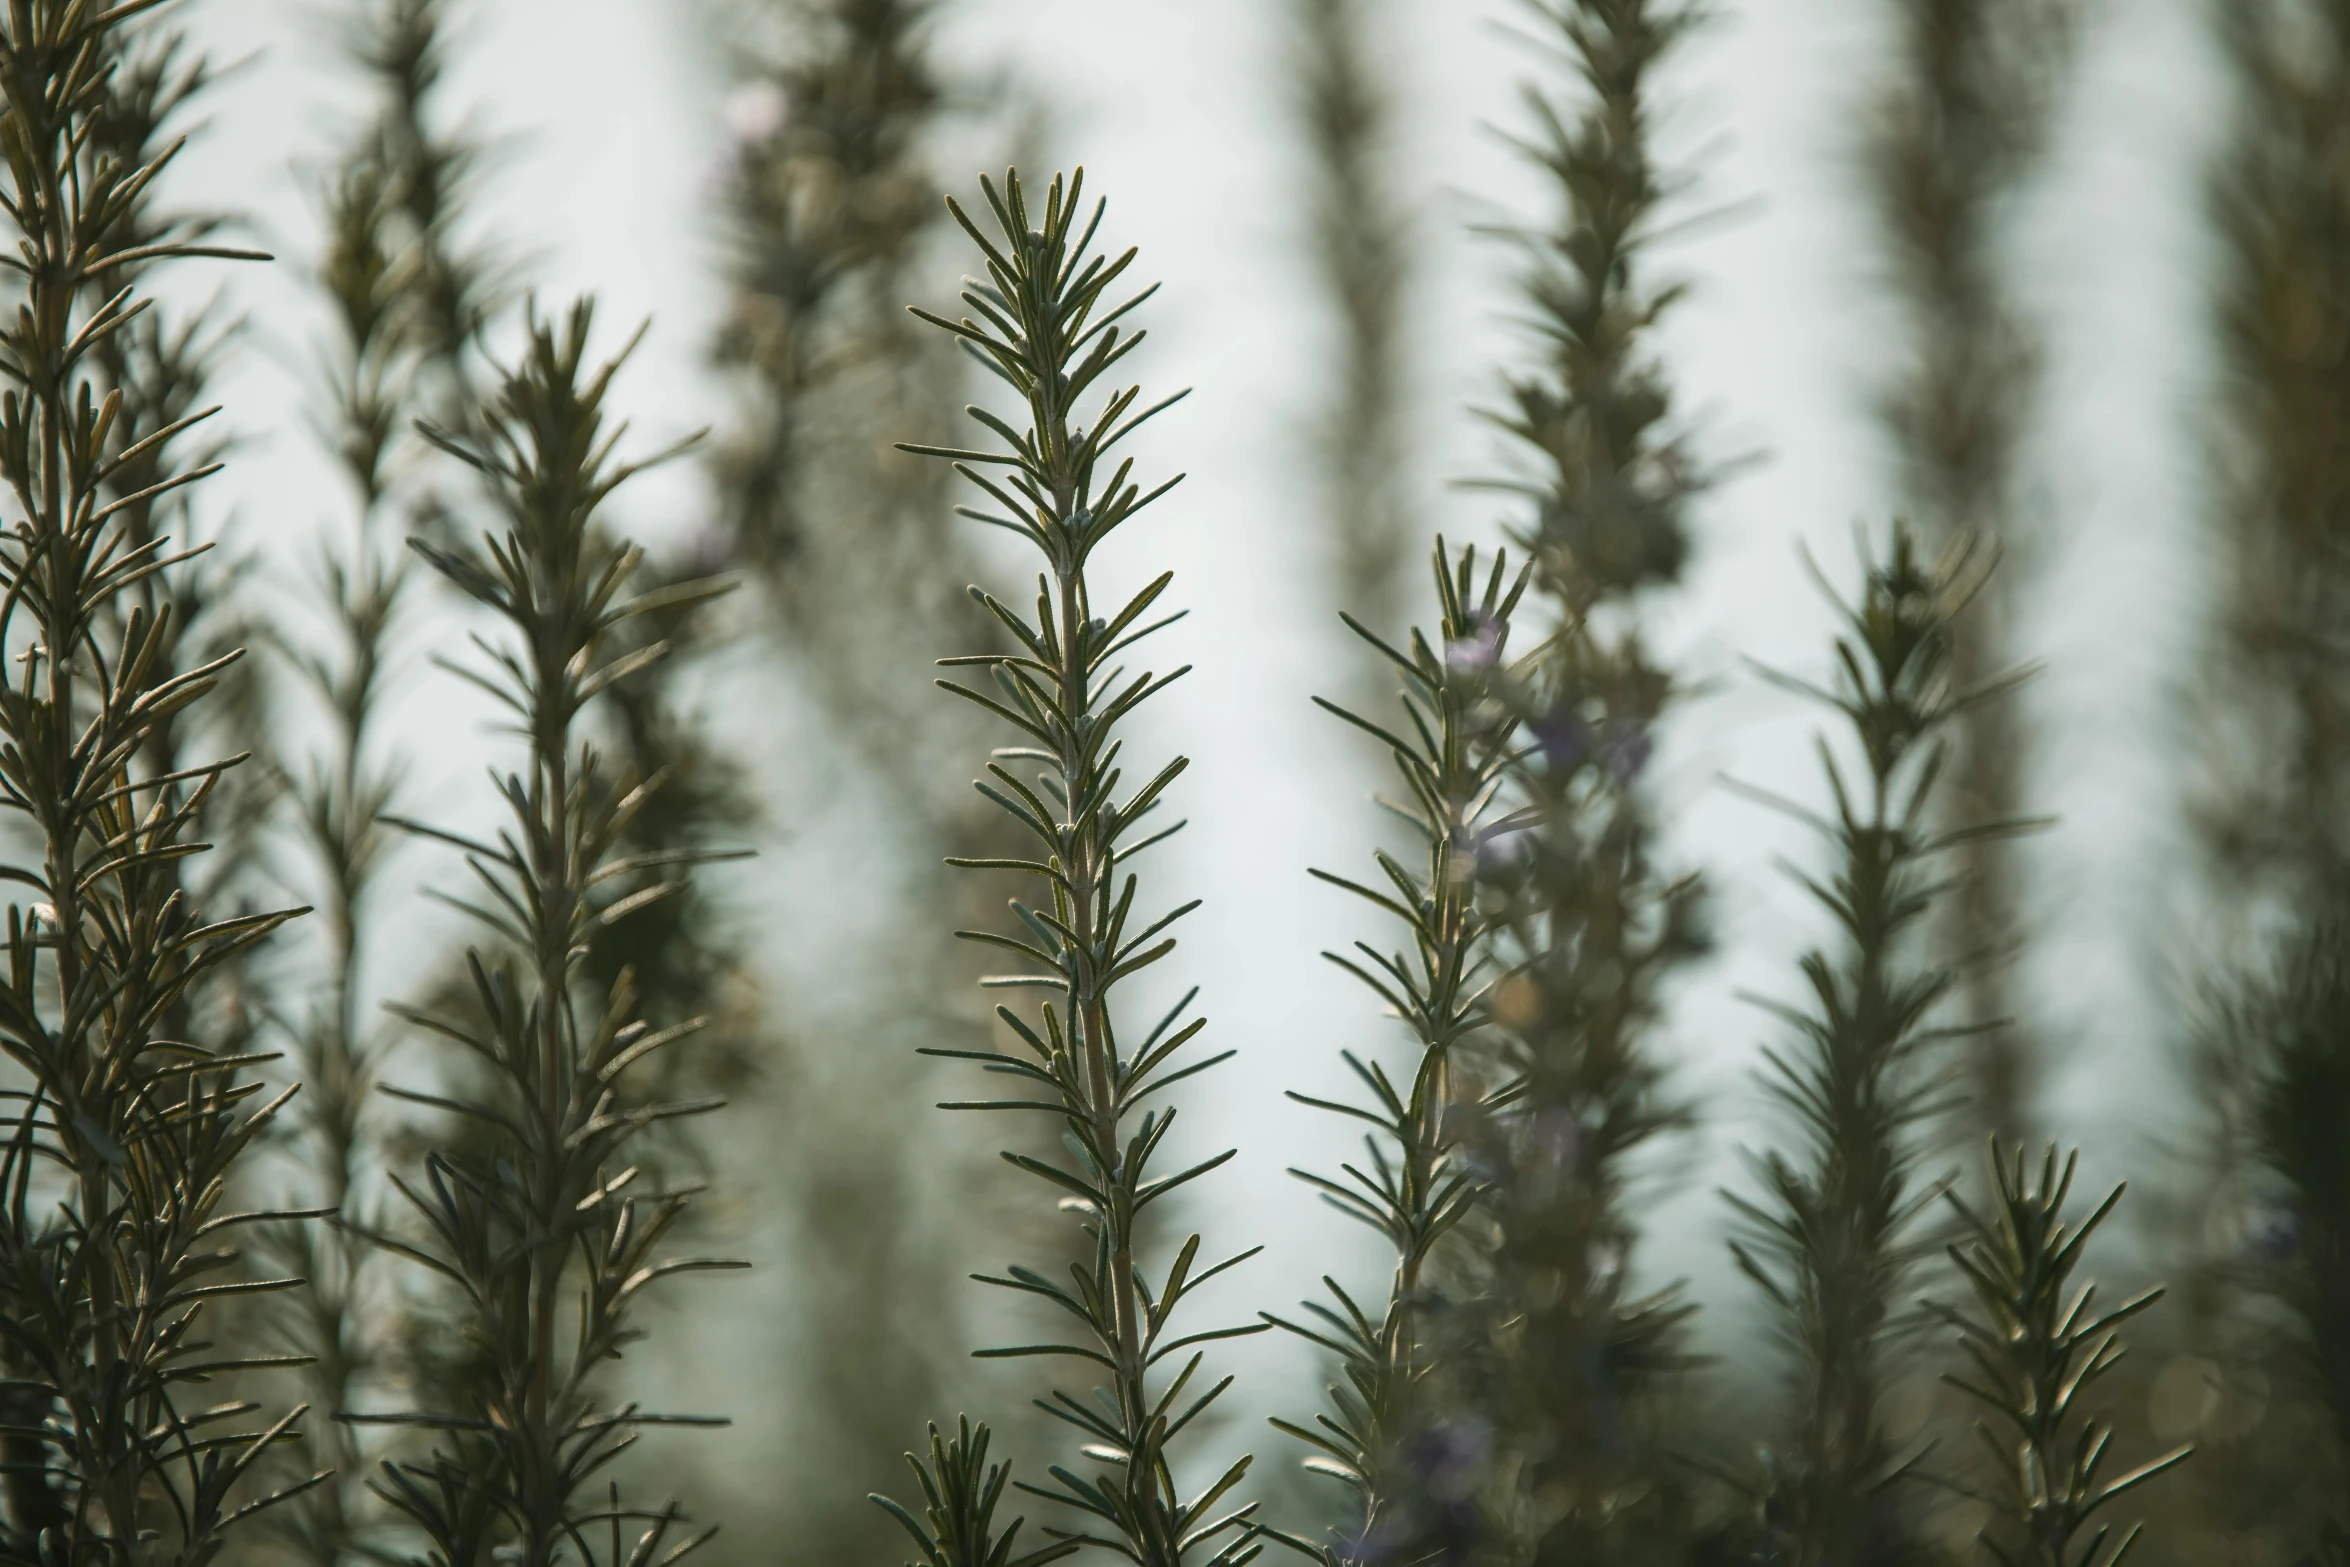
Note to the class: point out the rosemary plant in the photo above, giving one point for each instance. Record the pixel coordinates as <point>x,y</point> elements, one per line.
<point>343,1316</point>
<point>113,1203</point>
<point>1833,1236</point>
<point>1589,930</point>
<point>1043,327</point>
<point>534,1223</point>
<point>162,366</point>
<point>1955,135</point>
<point>828,201</point>
<point>1360,257</point>
<point>1452,753</point>
<point>2273,721</point>
<point>1584,922</point>
<point>451,282</point>
<point>2293,1280</point>
<point>1610,479</point>
<point>960,1492</point>
<point>2037,1348</point>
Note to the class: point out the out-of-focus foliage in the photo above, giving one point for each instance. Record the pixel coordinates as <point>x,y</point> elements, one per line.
<point>1358,240</point>
<point>2278,817</point>
<point>409,296</point>
<point>830,219</point>
<point>1955,135</point>
<point>2245,1376</point>
<point>1561,1356</point>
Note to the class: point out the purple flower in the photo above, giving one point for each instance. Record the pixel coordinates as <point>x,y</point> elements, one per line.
<point>1564,737</point>
<point>1477,649</point>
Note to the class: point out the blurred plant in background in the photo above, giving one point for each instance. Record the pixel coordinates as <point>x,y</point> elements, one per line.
<point>831,220</point>
<point>1358,239</point>
<point>1955,136</point>
<point>1569,1356</point>
<point>2272,811</point>
<point>409,300</point>
<point>1833,1236</point>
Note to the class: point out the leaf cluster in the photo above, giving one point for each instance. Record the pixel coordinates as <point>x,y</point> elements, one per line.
<point>960,1492</point>
<point>116,1221</point>
<point>1609,481</point>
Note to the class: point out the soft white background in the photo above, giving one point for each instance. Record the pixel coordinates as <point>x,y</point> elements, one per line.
<point>1179,112</point>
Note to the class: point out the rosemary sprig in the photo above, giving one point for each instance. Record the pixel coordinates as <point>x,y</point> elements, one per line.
<point>1833,1237</point>
<point>1586,926</point>
<point>1452,752</point>
<point>960,1492</point>
<point>452,282</point>
<point>535,1222</point>
<point>1040,324</point>
<point>2037,1348</point>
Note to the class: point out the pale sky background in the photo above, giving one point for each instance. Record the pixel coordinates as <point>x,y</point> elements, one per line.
<point>1178,111</point>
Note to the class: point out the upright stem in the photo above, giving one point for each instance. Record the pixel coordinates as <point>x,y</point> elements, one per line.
<point>1592,927</point>
<point>1416,1188</point>
<point>537,1222</point>
<point>1048,336</point>
<point>1956,133</point>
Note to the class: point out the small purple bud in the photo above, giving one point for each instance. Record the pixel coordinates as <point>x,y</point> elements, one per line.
<point>1564,737</point>
<point>1475,650</point>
